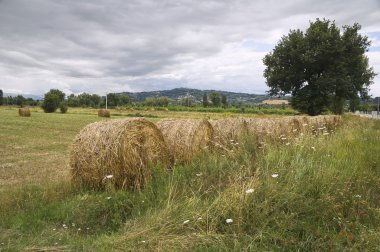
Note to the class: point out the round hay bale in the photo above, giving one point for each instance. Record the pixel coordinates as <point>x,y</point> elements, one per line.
<point>117,153</point>
<point>229,129</point>
<point>262,128</point>
<point>104,113</point>
<point>186,137</point>
<point>24,112</point>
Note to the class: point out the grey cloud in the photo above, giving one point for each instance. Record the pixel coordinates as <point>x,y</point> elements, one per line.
<point>136,44</point>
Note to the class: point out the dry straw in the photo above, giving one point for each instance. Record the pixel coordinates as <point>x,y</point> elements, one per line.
<point>117,153</point>
<point>228,129</point>
<point>104,113</point>
<point>186,137</point>
<point>264,128</point>
<point>24,112</point>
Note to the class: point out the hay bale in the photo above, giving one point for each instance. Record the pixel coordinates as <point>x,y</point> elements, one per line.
<point>24,112</point>
<point>263,128</point>
<point>104,113</point>
<point>186,137</point>
<point>229,129</point>
<point>119,149</point>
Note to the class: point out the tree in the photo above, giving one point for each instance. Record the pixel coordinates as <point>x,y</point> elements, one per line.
<point>72,101</point>
<point>224,101</point>
<point>1,97</point>
<point>321,68</point>
<point>205,100</point>
<point>149,101</point>
<point>113,100</point>
<point>63,107</point>
<point>162,101</point>
<point>52,99</point>
<point>84,99</point>
<point>215,99</point>
<point>125,100</point>
<point>19,100</point>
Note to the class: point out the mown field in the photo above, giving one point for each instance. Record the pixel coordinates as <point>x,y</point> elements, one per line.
<point>306,193</point>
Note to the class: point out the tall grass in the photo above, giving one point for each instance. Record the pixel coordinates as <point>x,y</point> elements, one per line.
<point>316,193</point>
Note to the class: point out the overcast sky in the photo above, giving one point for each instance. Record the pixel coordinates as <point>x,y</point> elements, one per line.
<point>100,46</point>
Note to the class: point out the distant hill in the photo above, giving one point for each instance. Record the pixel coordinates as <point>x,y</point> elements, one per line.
<point>197,95</point>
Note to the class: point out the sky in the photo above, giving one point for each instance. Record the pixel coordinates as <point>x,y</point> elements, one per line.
<point>103,46</point>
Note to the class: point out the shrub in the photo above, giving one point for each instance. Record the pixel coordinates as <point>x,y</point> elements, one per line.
<point>63,107</point>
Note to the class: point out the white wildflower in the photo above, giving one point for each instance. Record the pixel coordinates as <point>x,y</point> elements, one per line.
<point>313,148</point>
<point>108,176</point>
<point>274,175</point>
<point>79,229</point>
<point>249,191</point>
<point>186,221</point>
<point>64,226</point>
<point>200,218</point>
<point>108,198</point>
<point>199,174</point>
<point>228,221</point>
<point>287,143</point>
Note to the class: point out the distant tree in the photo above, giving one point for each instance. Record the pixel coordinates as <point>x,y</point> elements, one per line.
<point>322,68</point>
<point>162,101</point>
<point>149,101</point>
<point>125,100</point>
<point>30,102</point>
<point>224,101</point>
<point>19,100</point>
<point>63,107</point>
<point>113,99</point>
<point>52,99</point>
<point>215,99</point>
<point>205,100</point>
<point>72,101</point>
<point>1,97</point>
<point>187,102</point>
<point>84,99</point>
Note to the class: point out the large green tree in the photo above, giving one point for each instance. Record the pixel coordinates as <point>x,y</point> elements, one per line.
<point>52,100</point>
<point>321,68</point>
<point>1,97</point>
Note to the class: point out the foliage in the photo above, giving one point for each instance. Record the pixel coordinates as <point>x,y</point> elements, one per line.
<point>63,107</point>
<point>205,100</point>
<point>149,101</point>
<point>224,101</point>
<point>215,99</point>
<point>52,100</point>
<point>322,67</point>
<point>72,101</point>
<point>1,97</point>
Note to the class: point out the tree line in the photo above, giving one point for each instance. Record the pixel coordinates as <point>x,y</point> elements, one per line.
<point>55,99</point>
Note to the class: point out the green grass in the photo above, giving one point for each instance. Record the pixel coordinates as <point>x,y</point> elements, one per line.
<point>326,197</point>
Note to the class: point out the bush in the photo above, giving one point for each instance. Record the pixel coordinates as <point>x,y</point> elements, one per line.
<point>52,100</point>
<point>63,107</point>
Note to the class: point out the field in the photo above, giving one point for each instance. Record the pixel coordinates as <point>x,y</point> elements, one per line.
<point>305,193</point>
